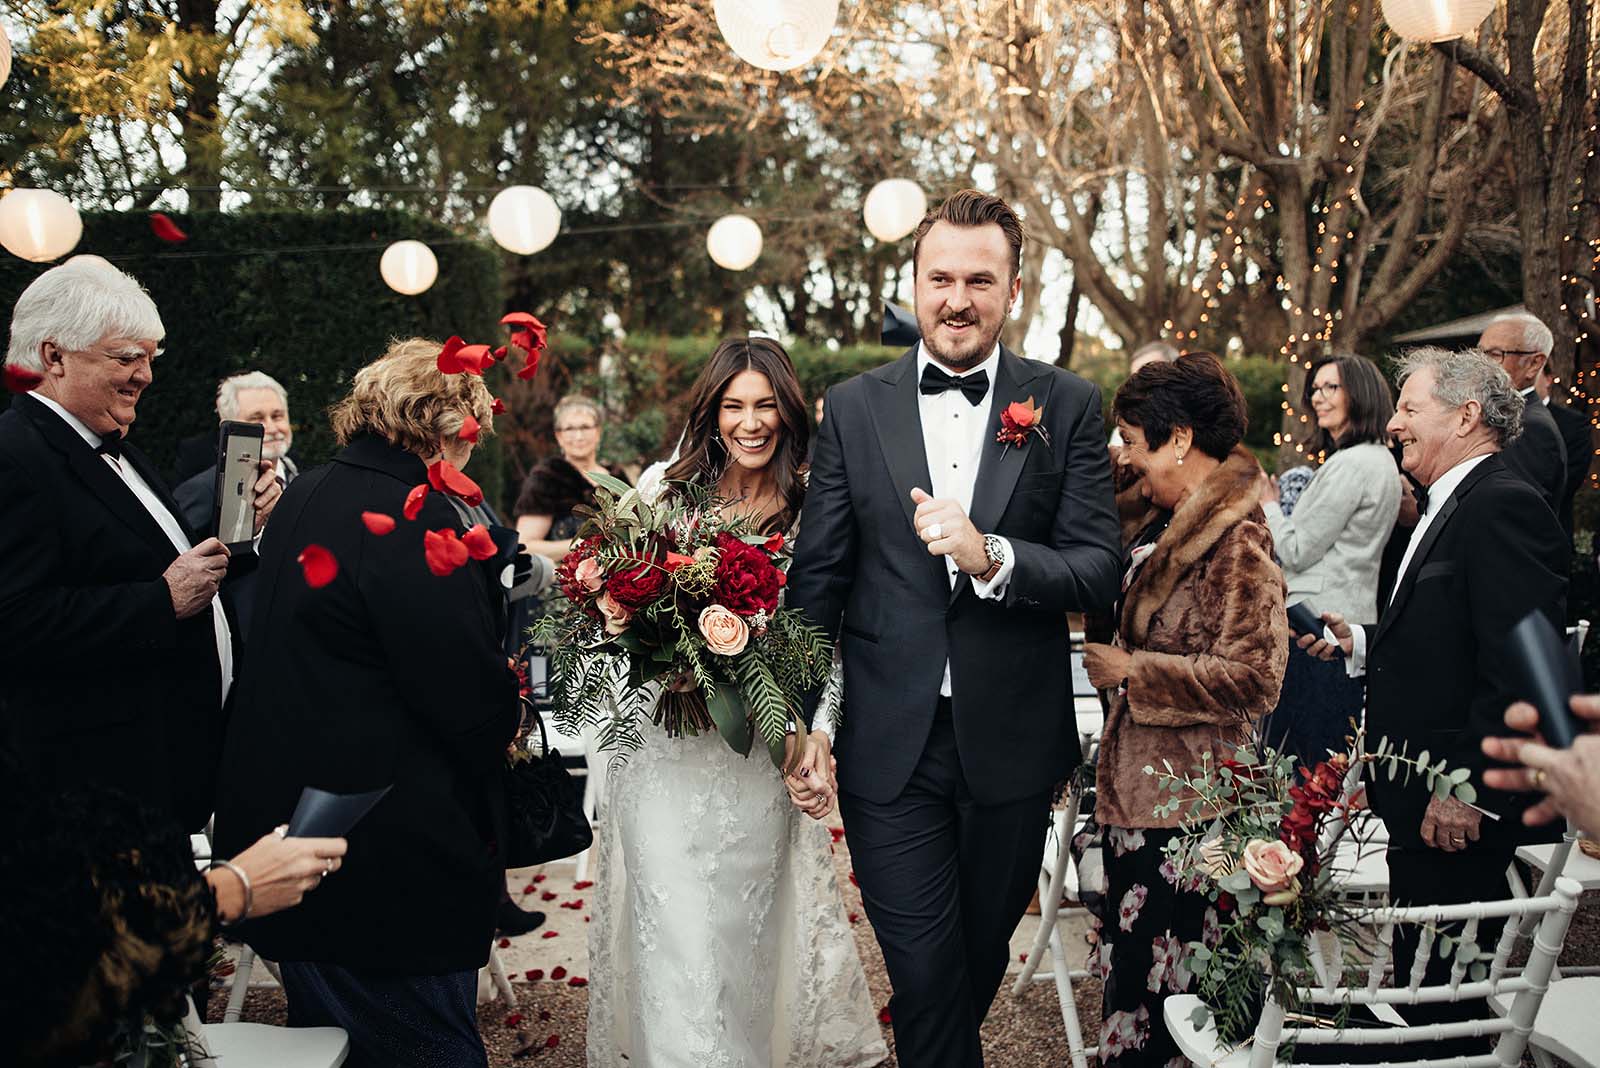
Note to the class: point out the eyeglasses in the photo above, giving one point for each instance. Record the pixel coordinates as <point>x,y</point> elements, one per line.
<point>1326,390</point>
<point>580,428</point>
<point>1500,354</point>
<point>127,359</point>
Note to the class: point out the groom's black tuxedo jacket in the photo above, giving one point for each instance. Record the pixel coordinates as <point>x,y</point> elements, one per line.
<point>863,575</point>
<point>99,681</point>
<point>1438,677</point>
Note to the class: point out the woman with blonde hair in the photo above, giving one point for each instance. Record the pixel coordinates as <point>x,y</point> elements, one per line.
<point>558,485</point>
<point>376,663</point>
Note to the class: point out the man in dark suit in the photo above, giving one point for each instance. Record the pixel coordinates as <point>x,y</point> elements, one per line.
<point>1520,344</point>
<point>948,559</point>
<point>1486,552</point>
<point>115,654</point>
<point>1574,430</point>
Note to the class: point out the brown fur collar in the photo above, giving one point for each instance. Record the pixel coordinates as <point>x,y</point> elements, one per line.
<point>1228,495</point>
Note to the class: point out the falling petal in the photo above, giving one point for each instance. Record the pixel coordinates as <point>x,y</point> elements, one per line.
<point>443,551</point>
<point>319,566</point>
<point>167,230</point>
<point>469,430</point>
<point>446,478</point>
<point>20,379</point>
<point>480,543</point>
<point>414,499</point>
<point>378,523</point>
<point>498,407</point>
<point>449,361</point>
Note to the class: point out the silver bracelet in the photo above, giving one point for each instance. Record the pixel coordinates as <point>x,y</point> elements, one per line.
<point>244,881</point>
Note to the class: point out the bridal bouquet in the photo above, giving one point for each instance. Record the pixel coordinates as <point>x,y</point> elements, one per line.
<point>670,591</point>
<point>1269,849</point>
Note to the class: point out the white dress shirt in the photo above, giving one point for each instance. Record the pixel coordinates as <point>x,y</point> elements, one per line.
<point>954,431</point>
<point>169,526</point>
<point>1438,493</point>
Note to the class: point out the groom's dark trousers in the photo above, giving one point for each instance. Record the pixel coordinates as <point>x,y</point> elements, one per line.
<point>945,798</point>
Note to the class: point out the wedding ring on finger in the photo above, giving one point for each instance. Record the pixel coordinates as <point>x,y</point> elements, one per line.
<point>1538,778</point>
<point>933,531</point>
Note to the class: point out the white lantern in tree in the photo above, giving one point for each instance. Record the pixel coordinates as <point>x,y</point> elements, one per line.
<point>893,208</point>
<point>1435,20</point>
<point>523,219</point>
<point>408,267</point>
<point>5,56</point>
<point>38,225</point>
<point>776,34</point>
<point>734,242</point>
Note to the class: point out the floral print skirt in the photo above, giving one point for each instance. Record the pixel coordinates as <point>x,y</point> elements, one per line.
<point>1137,947</point>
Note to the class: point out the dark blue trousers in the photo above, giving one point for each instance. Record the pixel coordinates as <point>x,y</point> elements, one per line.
<point>394,1021</point>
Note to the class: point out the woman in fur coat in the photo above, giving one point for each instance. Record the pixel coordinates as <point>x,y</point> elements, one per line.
<point>1198,658</point>
<point>557,486</point>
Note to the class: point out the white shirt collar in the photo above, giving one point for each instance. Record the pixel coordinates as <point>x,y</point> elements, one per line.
<point>990,365</point>
<point>73,421</point>
<point>1446,484</point>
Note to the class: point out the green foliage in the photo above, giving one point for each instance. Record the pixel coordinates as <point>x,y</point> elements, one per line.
<point>266,292</point>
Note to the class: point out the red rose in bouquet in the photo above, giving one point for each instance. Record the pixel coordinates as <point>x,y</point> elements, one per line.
<point>638,586</point>
<point>572,585</point>
<point>747,579</point>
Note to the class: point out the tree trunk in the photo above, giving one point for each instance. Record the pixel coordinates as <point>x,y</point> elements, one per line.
<point>199,108</point>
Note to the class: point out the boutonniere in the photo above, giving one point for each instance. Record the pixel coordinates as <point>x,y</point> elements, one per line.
<point>1018,420</point>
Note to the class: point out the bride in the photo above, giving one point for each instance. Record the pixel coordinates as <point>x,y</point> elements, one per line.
<point>719,940</point>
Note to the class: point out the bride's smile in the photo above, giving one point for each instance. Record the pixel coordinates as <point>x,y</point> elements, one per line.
<point>748,420</point>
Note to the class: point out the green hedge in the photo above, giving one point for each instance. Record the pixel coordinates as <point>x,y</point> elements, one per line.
<point>284,293</point>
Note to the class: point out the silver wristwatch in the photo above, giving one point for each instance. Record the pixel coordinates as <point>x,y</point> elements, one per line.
<point>995,549</point>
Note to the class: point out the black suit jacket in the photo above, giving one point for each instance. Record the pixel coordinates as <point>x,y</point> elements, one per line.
<point>390,675</point>
<point>863,575</point>
<point>1538,454</point>
<point>99,681</point>
<point>1575,440</point>
<point>1438,678</point>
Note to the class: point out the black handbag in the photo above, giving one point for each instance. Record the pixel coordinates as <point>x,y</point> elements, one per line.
<point>545,807</point>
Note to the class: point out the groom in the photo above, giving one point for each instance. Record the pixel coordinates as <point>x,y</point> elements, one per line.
<point>945,562</point>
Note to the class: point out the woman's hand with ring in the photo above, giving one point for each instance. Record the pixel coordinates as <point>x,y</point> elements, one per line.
<point>1569,778</point>
<point>283,870</point>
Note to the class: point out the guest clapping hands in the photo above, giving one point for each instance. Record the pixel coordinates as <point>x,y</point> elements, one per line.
<point>1569,778</point>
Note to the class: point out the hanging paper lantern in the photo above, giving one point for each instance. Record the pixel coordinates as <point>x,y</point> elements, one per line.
<point>408,267</point>
<point>734,242</point>
<point>893,208</point>
<point>5,56</point>
<point>1435,20</point>
<point>38,225</point>
<point>776,34</point>
<point>523,219</point>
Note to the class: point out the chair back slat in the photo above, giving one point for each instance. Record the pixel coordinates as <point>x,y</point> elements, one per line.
<point>1380,958</point>
<point>1547,942</point>
<point>1458,969</point>
<point>1419,962</point>
<point>1510,934</point>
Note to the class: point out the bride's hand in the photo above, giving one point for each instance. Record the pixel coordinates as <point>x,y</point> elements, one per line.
<point>811,784</point>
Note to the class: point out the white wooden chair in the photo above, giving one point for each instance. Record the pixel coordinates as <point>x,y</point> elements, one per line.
<point>1525,989</point>
<point>1567,1026</point>
<point>250,1045</point>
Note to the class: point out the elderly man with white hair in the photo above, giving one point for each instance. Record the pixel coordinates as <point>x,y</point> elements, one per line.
<point>1521,345</point>
<point>116,656</point>
<point>252,397</point>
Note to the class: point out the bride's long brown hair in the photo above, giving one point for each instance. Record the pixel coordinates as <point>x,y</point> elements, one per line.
<point>703,456</point>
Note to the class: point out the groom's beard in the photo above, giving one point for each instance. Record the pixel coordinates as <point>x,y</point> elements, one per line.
<point>965,355</point>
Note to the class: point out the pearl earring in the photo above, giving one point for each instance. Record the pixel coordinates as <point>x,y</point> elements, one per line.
<point>1180,459</point>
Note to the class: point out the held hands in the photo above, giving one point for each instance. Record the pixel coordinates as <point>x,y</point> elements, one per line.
<point>812,783</point>
<point>1106,665</point>
<point>267,492</point>
<point>945,529</point>
<point>1449,825</point>
<point>1267,487</point>
<point>1318,647</point>
<point>281,872</point>
<point>192,579</point>
<point>1569,778</point>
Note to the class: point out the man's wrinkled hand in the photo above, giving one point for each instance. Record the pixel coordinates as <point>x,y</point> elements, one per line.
<point>1449,824</point>
<point>193,578</point>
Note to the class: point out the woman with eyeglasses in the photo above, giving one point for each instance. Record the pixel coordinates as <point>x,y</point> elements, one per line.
<point>556,487</point>
<point>1332,547</point>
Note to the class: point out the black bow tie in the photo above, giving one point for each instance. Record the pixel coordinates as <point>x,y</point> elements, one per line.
<point>110,445</point>
<point>1420,493</point>
<point>975,385</point>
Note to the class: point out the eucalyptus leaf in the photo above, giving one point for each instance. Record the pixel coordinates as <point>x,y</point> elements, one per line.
<point>1466,793</point>
<point>1460,775</point>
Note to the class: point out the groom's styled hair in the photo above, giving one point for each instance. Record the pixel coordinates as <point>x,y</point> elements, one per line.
<point>973,208</point>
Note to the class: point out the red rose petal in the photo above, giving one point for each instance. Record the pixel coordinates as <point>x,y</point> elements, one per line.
<point>505,943</point>
<point>414,499</point>
<point>443,551</point>
<point>474,358</point>
<point>577,980</point>
<point>854,917</point>
<point>318,565</point>
<point>836,832</point>
<point>773,544</point>
<point>499,354</point>
<point>583,884</point>
<point>479,542</point>
<point>883,1015</point>
<point>558,973</point>
<point>533,975</point>
<point>550,934</point>
<point>1023,957</point>
<point>573,905</point>
<point>469,430</point>
<point>548,895</point>
<point>538,878</point>
<point>853,880</point>
<point>528,889</point>
<point>165,229</point>
<point>544,1014</point>
<point>378,523</point>
<point>498,407</point>
<point>449,361</point>
<point>552,1042</point>
<point>514,1019</point>
<point>444,477</point>
<point>530,368</point>
<point>20,379</point>
<point>523,319</point>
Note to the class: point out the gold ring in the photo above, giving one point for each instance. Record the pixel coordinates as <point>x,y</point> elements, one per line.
<point>1538,778</point>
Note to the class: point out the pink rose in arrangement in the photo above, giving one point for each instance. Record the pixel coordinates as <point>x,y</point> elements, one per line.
<point>588,574</point>
<point>616,616</point>
<point>1272,866</point>
<point>725,633</point>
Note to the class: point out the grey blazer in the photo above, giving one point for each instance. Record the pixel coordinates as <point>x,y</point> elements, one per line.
<point>1332,545</point>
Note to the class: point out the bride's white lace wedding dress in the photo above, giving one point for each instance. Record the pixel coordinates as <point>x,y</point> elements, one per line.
<point>718,937</point>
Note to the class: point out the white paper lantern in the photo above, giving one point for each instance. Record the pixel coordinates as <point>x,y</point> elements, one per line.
<point>523,219</point>
<point>5,56</point>
<point>1435,20</point>
<point>38,225</point>
<point>893,208</point>
<point>408,267</point>
<point>734,242</point>
<point>776,34</point>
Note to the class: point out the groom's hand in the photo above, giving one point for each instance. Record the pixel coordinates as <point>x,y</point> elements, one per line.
<point>945,529</point>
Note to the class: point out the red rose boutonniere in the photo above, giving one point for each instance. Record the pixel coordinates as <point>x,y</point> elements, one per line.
<point>1018,420</point>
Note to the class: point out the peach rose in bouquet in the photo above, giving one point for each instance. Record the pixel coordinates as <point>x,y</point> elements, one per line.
<point>725,633</point>
<point>1272,866</point>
